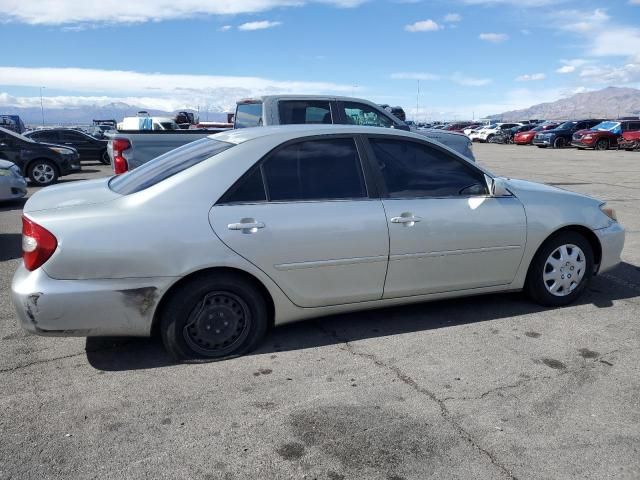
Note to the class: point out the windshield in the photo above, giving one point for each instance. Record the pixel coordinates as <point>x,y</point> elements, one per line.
<point>16,135</point>
<point>167,165</point>
<point>607,126</point>
<point>566,125</point>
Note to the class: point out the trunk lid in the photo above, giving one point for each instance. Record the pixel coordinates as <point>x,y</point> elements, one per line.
<point>73,194</point>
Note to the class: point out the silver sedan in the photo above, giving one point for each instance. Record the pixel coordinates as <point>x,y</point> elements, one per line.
<point>12,183</point>
<point>216,241</point>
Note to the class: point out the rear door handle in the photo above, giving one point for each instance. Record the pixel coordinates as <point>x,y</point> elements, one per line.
<point>246,225</point>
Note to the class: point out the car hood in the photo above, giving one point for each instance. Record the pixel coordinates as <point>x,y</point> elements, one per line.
<point>72,194</point>
<point>519,187</point>
<point>5,163</point>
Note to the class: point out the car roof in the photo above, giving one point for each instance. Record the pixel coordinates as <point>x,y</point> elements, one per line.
<point>284,133</point>
<point>264,98</point>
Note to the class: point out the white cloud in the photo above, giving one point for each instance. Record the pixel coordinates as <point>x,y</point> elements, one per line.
<point>469,81</point>
<point>159,88</point>
<point>582,21</point>
<point>531,77</point>
<point>258,25</point>
<point>452,17</point>
<point>517,3</point>
<point>225,28</point>
<point>612,75</point>
<point>60,12</point>
<point>423,26</point>
<point>493,37</point>
<point>414,76</point>
<point>566,69</point>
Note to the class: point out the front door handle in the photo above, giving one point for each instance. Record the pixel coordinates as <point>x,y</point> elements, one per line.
<point>406,219</point>
<point>246,225</point>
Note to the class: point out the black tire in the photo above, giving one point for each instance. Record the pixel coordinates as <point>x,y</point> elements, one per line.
<point>602,144</point>
<point>210,308</point>
<point>104,158</point>
<point>629,149</point>
<point>488,140</point>
<point>559,143</point>
<point>535,286</point>
<point>541,146</point>
<point>42,172</point>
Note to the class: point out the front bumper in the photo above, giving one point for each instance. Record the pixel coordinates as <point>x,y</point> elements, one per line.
<point>582,144</point>
<point>546,141</point>
<point>612,242</point>
<point>48,306</point>
<point>71,164</point>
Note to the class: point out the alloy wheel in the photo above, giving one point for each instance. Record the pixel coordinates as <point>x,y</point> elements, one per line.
<point>43,173</point>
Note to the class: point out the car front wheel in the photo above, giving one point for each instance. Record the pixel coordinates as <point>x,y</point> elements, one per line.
<point>42,172</point>
<point>559,143</point>
<point>104,158</point>
<point>561,270</point>
<point>602,145</point>
<point>213,317</point>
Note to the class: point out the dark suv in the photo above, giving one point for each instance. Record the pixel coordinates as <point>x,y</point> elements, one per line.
<point>41,162</point>
<point>561,136</point>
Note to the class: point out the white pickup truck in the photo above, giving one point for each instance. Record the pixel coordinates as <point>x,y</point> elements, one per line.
<point>129,150</point>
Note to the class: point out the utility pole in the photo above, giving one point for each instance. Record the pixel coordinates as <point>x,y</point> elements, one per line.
<point>42,106</point>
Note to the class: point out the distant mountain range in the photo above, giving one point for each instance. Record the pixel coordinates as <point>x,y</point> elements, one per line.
<point>84,115</point>
<point>611,102</point>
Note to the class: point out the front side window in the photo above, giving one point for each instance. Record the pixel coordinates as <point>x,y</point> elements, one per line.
<point>315,170</point>
<point>248,115</point>
<point>294,112</point>
<point>411,169</point>
<point>167,165</point>
<point>361,114</point>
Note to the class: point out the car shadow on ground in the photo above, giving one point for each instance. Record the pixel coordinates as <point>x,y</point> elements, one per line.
<point>623,282</point>
<point>10,246</point>
<point>9,205</point>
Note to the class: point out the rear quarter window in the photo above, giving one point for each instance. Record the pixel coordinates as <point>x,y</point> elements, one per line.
<point>248,115</point>
<point>167,165</point>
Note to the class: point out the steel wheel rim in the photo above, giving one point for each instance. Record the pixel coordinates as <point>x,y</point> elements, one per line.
<point>43,173</point>
<point>564,270</point>
<point>218,324</point>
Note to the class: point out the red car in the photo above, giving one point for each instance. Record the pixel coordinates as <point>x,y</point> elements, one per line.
<point>605,134</point>
<point>629,141</point>
<point>526,138</point>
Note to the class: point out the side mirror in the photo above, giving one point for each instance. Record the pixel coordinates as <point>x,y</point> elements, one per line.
<point>498,187</point>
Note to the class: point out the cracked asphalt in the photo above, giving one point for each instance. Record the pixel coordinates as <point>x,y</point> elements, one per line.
<point>488,387</point>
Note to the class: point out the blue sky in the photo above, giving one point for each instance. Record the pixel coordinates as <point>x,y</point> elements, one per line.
<point>470,57</point>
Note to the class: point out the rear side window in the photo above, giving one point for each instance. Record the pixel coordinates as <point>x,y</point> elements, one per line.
<point>414,170</point>
<point>315,170</point>
<point>294,112</point>
<point>167,165</point>
<point>248,115</point>
<point>361,114</point>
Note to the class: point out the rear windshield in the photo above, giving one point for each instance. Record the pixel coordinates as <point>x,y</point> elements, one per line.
<point>167,165</point>
<point>248,115</point>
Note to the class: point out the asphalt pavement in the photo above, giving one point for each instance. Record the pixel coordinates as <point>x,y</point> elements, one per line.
<point>480,388</point>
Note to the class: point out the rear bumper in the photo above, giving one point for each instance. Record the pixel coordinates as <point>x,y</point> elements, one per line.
<point>612,242</point>
<point>47,306</point>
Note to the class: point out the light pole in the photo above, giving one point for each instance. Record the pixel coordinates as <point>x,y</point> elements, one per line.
<point>42,106</point>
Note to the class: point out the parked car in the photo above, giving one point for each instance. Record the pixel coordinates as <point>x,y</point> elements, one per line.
<point>458,126</point>
<point>146,122</point>
<point>526,137</point>
<point>41,162</point>
<point>12,183</point>
<point>629,141</point>
<point>89,147</point>
<point>258,227</point>
<point>486,133</point>
<point>560,136</point>
<point>474,128</point>
<point>604,135</point>
<point>314,109</point>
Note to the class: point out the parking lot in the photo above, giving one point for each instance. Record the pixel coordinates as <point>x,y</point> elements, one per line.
<point>485,387</point>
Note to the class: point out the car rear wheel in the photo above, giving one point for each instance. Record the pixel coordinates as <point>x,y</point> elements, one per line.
<point>104,158</point>
<point>213,317</point>
<point>42,172</point>
<point>602,144</point>
<point>561,270</point>
<point>559,143</point>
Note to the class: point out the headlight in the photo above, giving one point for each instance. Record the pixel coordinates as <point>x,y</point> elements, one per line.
<point>5,172</point>
<point>609,212</point>
<point>62,150</point>
<point>588,137</point>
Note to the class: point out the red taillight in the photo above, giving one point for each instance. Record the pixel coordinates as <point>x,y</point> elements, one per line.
<point>38,244</point>
<point>120,164</point>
